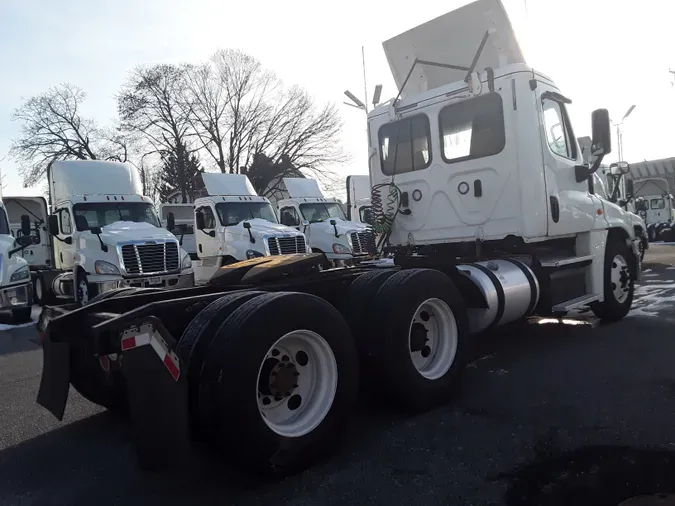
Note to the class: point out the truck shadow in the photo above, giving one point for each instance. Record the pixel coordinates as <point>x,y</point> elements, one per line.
<point>93,460</point>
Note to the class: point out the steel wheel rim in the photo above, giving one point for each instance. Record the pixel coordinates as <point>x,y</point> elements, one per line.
<point>433,338</point>
<point>294,398</point>
<point>620,278</point>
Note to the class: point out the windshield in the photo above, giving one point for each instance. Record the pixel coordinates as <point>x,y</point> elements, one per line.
<point>100,214</point>
<point>4,226</point>
<point>321,211</point>
<point>231,213</point>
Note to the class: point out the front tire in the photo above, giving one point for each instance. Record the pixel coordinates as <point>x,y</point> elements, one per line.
<point>619,284</point>
<point>283,371</point>
<point>84,291</point>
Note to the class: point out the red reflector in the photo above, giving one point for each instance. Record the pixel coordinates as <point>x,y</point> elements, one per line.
<point>173,369</point>
<point>128,343</point>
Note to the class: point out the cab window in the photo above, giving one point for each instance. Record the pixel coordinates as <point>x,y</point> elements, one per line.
<point>472,128</point>
<point>405,145</point>
<point>657,204</point>
<point>559,134</point>
<point>209,217</point>
<point>289,217</point>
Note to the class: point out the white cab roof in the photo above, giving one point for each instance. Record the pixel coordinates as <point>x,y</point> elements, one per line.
<point>453,39</point>
<point>227,184</point>
<point>302,187</point>
<point>93,177</point>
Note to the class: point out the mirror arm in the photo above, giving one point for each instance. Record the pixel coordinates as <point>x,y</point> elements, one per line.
<point>104,247</point>
<point>250,236</point>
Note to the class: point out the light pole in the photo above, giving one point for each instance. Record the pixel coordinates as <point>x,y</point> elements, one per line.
<point>619,135</point>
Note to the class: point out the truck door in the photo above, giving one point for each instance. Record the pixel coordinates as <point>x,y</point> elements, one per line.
<point>207,240</point>
<point>288,215</point>
<point>64,252</point>
<point>571,207</point>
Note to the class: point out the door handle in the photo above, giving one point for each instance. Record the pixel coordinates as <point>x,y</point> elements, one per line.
<point>555,209</point>
<point>200,248</point>
<point>478,188</point>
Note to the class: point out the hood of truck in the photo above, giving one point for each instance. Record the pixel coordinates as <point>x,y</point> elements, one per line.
<point>343,227</point>
<point>8,265</point>
<point>125,231</point>
<point>453,39</point>
<point>260,228</point>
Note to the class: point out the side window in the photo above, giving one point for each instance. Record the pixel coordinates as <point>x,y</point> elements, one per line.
<point>559,133</point>
<point>658,204</point>
<point>66,227</point>
<point>405,145</point>
<point>472,128</point>
<point>209,218</point>
<point>289,217</point>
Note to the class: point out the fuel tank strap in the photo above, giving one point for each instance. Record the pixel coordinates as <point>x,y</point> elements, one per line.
<point>501,301</point>
<point>534,291</point>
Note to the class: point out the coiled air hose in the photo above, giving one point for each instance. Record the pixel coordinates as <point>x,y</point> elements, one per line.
<point>382,217</point>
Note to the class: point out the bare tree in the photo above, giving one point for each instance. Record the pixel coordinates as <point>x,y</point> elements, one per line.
<point>152,105</point>
<point>53,129</point>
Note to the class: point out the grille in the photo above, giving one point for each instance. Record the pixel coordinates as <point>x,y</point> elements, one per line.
<point>150,258</point>
<point>286,245</point>
<point>363,242</point>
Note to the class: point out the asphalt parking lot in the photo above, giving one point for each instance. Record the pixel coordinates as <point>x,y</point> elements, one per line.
<point>549,413</point>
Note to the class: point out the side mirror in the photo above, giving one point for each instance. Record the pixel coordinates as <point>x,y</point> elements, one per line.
<point>95,230</point>
<point>246,225</point>
<point>199,219</point>
<point>619,168</point>
<point>629,188</point>
<point>305,224</point>
<point>25,225</point>
<point>53,223</point>
<point>24,240</point>
<point>170,221</point>
<point>333,222</point>
<point>602,137</point>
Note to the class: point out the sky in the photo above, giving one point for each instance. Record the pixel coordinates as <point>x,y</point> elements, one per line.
<point>602,54</point>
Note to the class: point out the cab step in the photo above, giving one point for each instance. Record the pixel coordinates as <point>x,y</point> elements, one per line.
<point>554,262</point>
<point>576,303</point>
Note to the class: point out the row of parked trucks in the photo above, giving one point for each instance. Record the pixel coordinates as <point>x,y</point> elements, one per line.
<point>88,242</point>
<point>483,207</point>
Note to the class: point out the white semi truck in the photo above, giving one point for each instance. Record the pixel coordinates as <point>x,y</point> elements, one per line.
<point>233,223</point>
<point>656,205</point>
<point>358,198</point>
<point>489,212</point>
<point>15,285</point>
<point>103,234</point>
<point>328,231</point>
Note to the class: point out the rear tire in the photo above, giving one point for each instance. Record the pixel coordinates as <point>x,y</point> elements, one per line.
<point>619,285</point>
<point>193,345</point>
<point>417,342</point>
<point>245,361</point>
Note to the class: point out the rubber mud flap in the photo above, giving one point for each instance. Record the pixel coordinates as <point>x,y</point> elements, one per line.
<point>55,381</point>
<point>158,405</point>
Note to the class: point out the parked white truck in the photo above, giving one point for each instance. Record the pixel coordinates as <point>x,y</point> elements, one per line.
<point>233,223</point>
<point>328,230</point>
<point>104,234</point>
<point>656,205</point>
<point>15,286</point>
<point>491,217</point>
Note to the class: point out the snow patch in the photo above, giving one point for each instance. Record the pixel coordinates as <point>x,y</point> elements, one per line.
<point>652,299</point>
<point>129,225</point>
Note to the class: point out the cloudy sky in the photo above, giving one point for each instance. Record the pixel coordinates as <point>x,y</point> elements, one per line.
<point>601,54</point>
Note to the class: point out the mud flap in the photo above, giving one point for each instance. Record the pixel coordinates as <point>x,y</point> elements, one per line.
<point>158,404</point>
<point>55,381</point>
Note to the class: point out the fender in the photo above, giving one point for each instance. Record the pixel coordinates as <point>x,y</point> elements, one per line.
<point>617,217</point>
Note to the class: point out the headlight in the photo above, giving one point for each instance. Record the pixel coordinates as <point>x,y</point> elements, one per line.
<point>20,274</point>
<point>341,249</point>
<point>187,262</point>
<point>251,253</point>
<point>103,267</point>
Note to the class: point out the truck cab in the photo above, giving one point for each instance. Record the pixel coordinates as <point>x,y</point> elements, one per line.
<point>656,206</point>
<point>15,285</point>
<point>233,223</point>
<point>327,229</point>
<point>104,235</point>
